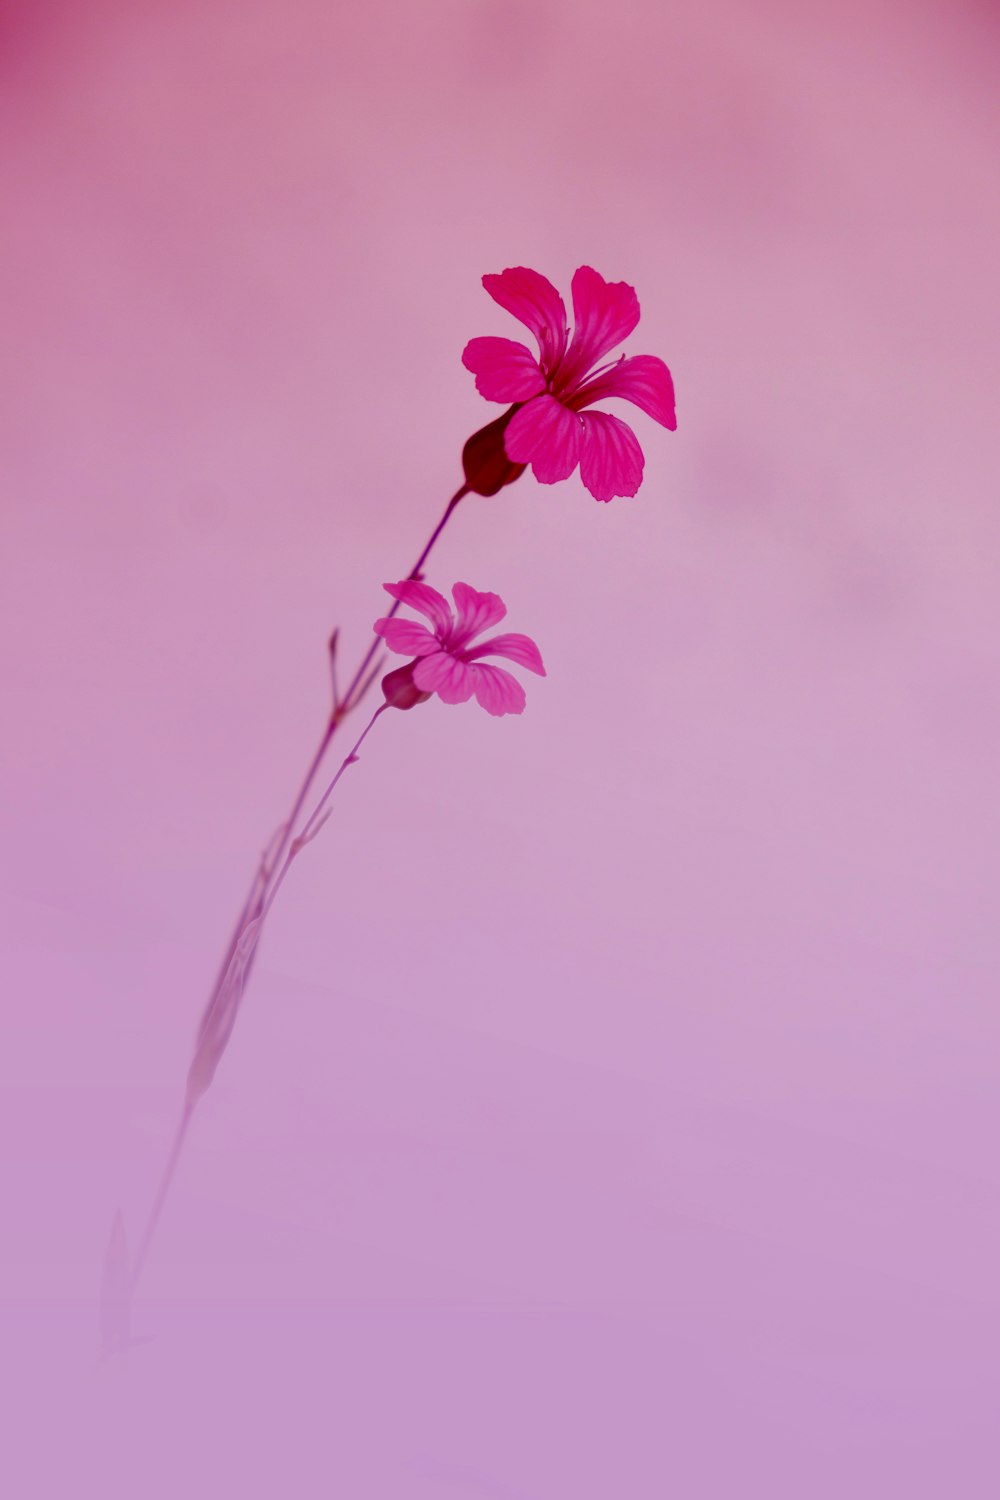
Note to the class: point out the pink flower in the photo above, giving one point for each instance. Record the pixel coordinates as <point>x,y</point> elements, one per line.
<point>447,663</point>
<point>549,430</point>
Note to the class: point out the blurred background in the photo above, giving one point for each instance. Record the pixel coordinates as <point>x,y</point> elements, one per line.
<point>614,1108</point>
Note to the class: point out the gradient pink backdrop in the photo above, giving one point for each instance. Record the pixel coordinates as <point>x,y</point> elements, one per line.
<point>614,1111</point>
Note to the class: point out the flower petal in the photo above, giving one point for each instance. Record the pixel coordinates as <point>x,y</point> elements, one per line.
<point>429,602</point>
<point>445,675</point>
<point>476,612</point>
<point>535,303</point>
<point>407,637</point>
<point>644,380</point>
<point>504,370</point>
<point>604,313</point>
<point>497,691</point>
<point>611,463</point>
<point>546,435</point>
<point>519,648</point>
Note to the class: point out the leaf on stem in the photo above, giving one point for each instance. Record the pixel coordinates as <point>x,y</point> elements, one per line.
<point>221,1017</point>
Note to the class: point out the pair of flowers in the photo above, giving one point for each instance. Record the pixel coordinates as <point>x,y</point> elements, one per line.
<point>550,426</point>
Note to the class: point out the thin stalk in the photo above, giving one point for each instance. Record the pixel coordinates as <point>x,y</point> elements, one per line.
<point>350,701</point>
<point>312,826</point>
<point>257,896</point>
<point>359,685</point>
<point>161,1193</point>
<point>317,818</point>
<point>276,861</point>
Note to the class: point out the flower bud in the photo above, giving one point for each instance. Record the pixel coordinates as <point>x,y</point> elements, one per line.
<point>487,467</point>
<point>400,690</point>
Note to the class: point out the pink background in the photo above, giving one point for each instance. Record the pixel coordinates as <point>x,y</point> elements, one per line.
<point>614,1110</point>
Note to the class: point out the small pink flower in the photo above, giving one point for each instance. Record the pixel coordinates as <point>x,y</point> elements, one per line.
<point>548,430</point>
<point>446,661</point>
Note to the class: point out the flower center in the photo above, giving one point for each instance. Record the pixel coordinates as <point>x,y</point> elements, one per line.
<point>564,384</point>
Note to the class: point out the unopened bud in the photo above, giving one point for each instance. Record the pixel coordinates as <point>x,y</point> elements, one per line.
<point>400,689</point>
<point>484,459</point>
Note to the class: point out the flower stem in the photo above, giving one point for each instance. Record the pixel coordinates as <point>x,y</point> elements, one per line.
<point>310,829</point>
<point>352,697</point>
<point>254,903</point>
<point>317,818</point>
<point>257,896</point>
<point>274,865</point>
<point>161,1193</point>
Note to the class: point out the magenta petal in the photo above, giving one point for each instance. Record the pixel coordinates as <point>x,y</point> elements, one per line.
<point>519,648</point>
<point>429,602</point>
<point>445,675</point>
<point>644,380</point>
<point>605,312</point>
<point>535,303</point>
<point>504,370</point>
<point>407,637</point>
<point>611,463</point>
<point>476,612</point>
<point>546,435</point>
<point>497,691</point>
